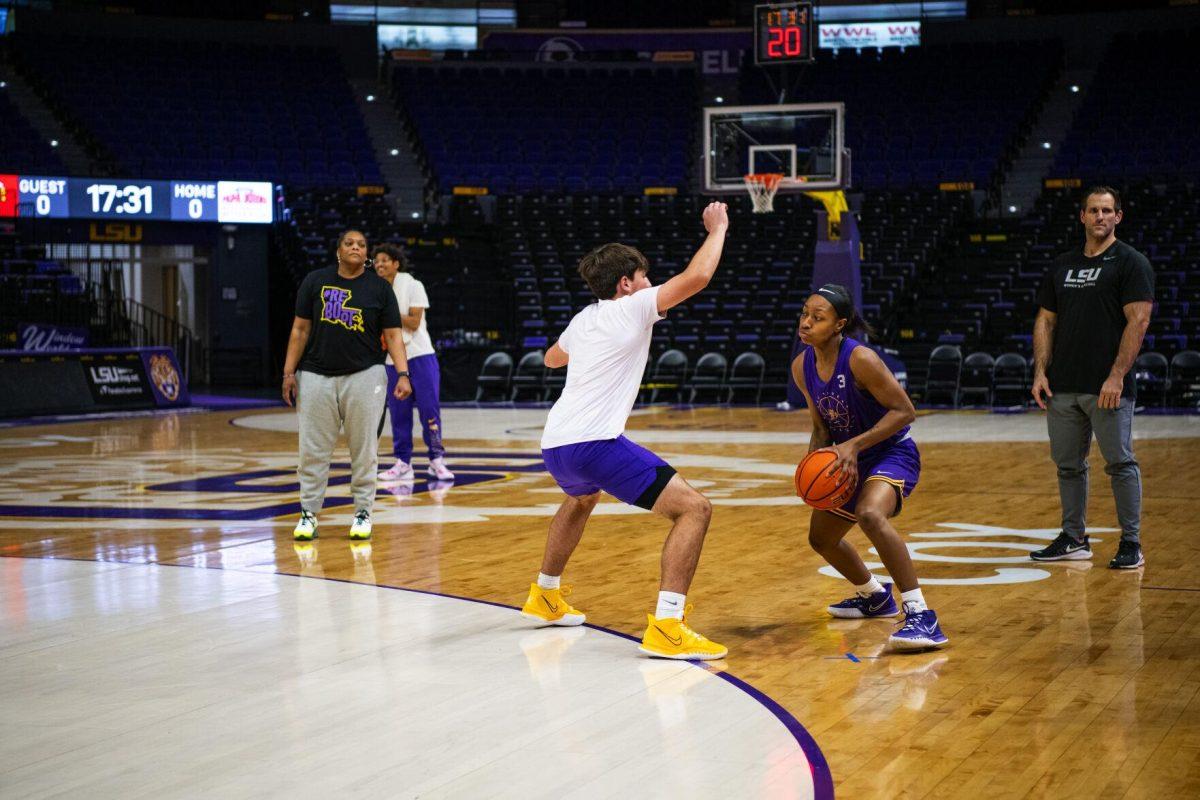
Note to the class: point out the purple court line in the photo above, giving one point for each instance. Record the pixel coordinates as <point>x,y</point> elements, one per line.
<point>100,416</point>
<point>822,777</point>
<point>201,404</point>
<point>260,514</point>
<point>220,402</point>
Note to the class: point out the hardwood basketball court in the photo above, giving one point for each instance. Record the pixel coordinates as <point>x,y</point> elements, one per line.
<point>160,633</point>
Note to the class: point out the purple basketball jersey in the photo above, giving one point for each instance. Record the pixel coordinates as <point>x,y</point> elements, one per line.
<point>847,410</point>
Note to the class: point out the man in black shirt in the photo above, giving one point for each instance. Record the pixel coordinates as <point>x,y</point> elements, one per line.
<point>342,314</point>
<point>1095,308</point>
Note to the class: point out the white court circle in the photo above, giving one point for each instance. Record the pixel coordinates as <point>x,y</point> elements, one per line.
<point>915,548</point>
<point>1004,575</point>
<point>507,423</point>
<point>173,681</point>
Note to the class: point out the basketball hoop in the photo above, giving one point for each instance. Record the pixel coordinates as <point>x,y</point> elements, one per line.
<point>762,188</point>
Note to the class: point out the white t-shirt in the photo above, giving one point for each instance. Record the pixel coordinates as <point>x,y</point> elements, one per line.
<point>608,343</point>
<point>410,293</point>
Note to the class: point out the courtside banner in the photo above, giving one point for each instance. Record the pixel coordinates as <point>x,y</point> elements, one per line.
<point>42,336</point>
<point>83,381</point>
<point>116,380</point>
<point>166,378</point>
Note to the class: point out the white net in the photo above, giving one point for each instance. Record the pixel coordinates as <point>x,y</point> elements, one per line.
<point>762,188</point>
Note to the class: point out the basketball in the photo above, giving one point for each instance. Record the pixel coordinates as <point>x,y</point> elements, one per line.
<point>819,490</point>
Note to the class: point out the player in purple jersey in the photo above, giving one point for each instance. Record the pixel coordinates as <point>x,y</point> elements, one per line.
<point>862,415</point>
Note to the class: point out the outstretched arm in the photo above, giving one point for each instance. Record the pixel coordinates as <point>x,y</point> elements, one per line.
<point>703,265</point>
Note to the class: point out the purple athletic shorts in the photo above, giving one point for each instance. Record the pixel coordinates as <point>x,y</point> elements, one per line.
<point>898,465</point>
<point>627,471</point>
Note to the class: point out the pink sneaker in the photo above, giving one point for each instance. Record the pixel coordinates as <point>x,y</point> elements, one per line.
<point>398,472</point>
<point>437,469</point>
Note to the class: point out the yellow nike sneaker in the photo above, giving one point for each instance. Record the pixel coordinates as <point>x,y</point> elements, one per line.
<point>672,638</point>
<point>549,605</point>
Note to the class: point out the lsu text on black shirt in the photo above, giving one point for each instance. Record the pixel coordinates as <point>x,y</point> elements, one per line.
<point>348,317</point>
<point>1089,296</point>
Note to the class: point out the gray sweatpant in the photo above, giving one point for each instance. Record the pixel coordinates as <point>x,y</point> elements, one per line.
<point>1071,420</point>
<point>326,405</point>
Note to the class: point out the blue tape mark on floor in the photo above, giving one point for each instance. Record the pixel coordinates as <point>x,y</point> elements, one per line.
<point>853,658</point>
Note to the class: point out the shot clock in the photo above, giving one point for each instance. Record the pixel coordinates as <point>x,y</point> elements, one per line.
<point>783,33</point>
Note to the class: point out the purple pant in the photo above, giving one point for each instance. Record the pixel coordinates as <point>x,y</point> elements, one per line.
<point>898,465</point>
<point>627,471</point>
<point>426,381</point>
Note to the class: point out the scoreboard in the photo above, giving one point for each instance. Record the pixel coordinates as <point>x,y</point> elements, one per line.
<point>783,33</point>
<point>54,197</point>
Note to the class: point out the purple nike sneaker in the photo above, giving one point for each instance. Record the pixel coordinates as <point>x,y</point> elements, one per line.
<point>920,631</point>
<point>880,604</point>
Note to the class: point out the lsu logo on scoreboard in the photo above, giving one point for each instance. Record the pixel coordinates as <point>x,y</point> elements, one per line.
<point>115,232</point>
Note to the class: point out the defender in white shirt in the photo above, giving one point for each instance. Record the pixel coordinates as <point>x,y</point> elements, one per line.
<point>604,349</point>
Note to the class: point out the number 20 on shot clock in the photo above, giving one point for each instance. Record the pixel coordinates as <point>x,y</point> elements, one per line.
<point>783,33</point>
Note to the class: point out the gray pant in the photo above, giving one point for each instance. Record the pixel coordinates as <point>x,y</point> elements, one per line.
<point>1071,420</point>
<point>326,405</point>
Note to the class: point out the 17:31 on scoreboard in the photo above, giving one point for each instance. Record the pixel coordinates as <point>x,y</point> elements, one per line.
<point>102,198</point>
<point>783,33</point>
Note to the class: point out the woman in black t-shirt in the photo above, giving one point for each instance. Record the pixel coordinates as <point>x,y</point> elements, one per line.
<point>334,371</point>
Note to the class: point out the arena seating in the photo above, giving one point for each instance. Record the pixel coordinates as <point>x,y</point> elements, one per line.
<point>568,173</point>
<point>24,147</point>
<point>466,279</point>
<point>36,289</point>
<point>982,295</point>
<point>208,110</point>
<point>536,128</point>
<point>1139,117</point>
<point>753,304</point>
<point>929,114</point>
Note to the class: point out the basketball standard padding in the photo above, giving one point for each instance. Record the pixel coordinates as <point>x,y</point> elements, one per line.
<point>822,492</point>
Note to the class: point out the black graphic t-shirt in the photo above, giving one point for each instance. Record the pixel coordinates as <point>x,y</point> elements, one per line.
<point>348,317</point>
<point>1089,296</point>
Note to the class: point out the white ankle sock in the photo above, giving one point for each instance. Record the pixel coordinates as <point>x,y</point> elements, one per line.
<point>548,581</point>
<point>670,604</point>
<point>869,588</point>
<point>915,597</point>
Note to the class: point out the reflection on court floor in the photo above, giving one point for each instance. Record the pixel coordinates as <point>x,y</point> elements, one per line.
<point>126,680</point>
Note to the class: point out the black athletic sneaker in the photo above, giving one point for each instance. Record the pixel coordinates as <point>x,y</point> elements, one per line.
<point>1129,556</point>
<point>1064,548</point>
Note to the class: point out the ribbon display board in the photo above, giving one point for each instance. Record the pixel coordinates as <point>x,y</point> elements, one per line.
<point>81,381</point>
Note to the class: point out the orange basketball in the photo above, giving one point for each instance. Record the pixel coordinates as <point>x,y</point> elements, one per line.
<point>822,492</point>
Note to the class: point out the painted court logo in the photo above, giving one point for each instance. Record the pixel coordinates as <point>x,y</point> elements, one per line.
<point>337,312</point>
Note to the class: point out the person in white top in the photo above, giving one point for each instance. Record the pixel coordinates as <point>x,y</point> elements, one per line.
<point>604,349</point>
<point>391,263</point>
